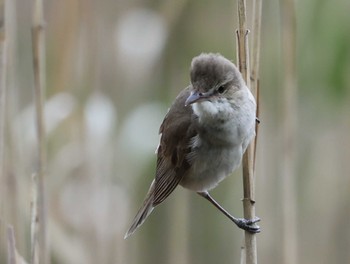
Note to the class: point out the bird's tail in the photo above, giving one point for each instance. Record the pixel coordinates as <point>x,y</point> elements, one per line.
<point>144,211</point>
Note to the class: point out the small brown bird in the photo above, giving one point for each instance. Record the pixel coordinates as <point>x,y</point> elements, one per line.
<point>203,136</point>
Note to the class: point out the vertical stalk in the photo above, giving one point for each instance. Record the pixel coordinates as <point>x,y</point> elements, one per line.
<point>3,66</point>
<point>250,248</point>
<point>11,246</point>
<point>255,51</point>
<point>255,61</point>
<point>39,247</point>
<point>289,110</point>
<point>3,75</point>
<point>242,40</point>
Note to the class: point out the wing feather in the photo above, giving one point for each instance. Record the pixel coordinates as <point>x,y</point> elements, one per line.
<point>176,133</point>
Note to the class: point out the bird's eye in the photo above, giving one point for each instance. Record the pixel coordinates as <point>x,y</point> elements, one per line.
<point>221,89</point>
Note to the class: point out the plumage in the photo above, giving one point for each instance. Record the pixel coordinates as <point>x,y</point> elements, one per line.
<point>204,134</point>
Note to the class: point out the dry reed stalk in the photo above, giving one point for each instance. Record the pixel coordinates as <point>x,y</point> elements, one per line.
<point>255,62</point>
<point>11,246</point>
<point>34,226</point>
<point>255,49</point>
<point>40,253</point>
<point>13,257</point>
<point>289,122</point>
<point>3,70</point>
<point>250,246</point>
<point>242,259</point>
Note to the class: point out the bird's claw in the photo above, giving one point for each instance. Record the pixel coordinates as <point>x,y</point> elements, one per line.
<point>249,224</point>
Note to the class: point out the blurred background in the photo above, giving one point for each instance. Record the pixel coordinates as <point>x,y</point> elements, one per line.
<point>113,69</point>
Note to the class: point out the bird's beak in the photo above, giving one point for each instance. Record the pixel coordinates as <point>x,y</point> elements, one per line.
<point>194,97</point>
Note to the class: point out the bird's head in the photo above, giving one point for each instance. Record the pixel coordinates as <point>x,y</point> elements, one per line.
<point>214,79</point>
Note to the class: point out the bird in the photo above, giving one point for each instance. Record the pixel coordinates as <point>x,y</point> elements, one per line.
<point>204,135</point>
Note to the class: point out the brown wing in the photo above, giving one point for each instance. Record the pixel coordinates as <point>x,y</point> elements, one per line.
<point>177,131</point>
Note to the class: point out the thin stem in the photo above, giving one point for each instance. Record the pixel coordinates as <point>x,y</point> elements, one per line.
<point>38,38</point>
<point>255,62</point>
<point>11,246</point>
<point>34,225</point>
<point>255,51</point>
<point>3,88</point>
<point>248,157</point>
<point>3,75</point>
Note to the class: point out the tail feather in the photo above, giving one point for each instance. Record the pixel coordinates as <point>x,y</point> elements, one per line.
<point>145,210</point>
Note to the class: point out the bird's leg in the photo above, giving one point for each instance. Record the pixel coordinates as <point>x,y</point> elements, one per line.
<point>245,224</point>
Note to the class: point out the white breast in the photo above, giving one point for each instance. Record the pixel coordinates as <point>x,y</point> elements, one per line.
<point>224,133</point>
<point>210,166</point>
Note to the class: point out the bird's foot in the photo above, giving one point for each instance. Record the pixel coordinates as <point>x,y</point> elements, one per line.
<point>249,224</point>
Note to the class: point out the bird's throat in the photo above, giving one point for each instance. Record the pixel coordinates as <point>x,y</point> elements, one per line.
<point>212,112</point>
